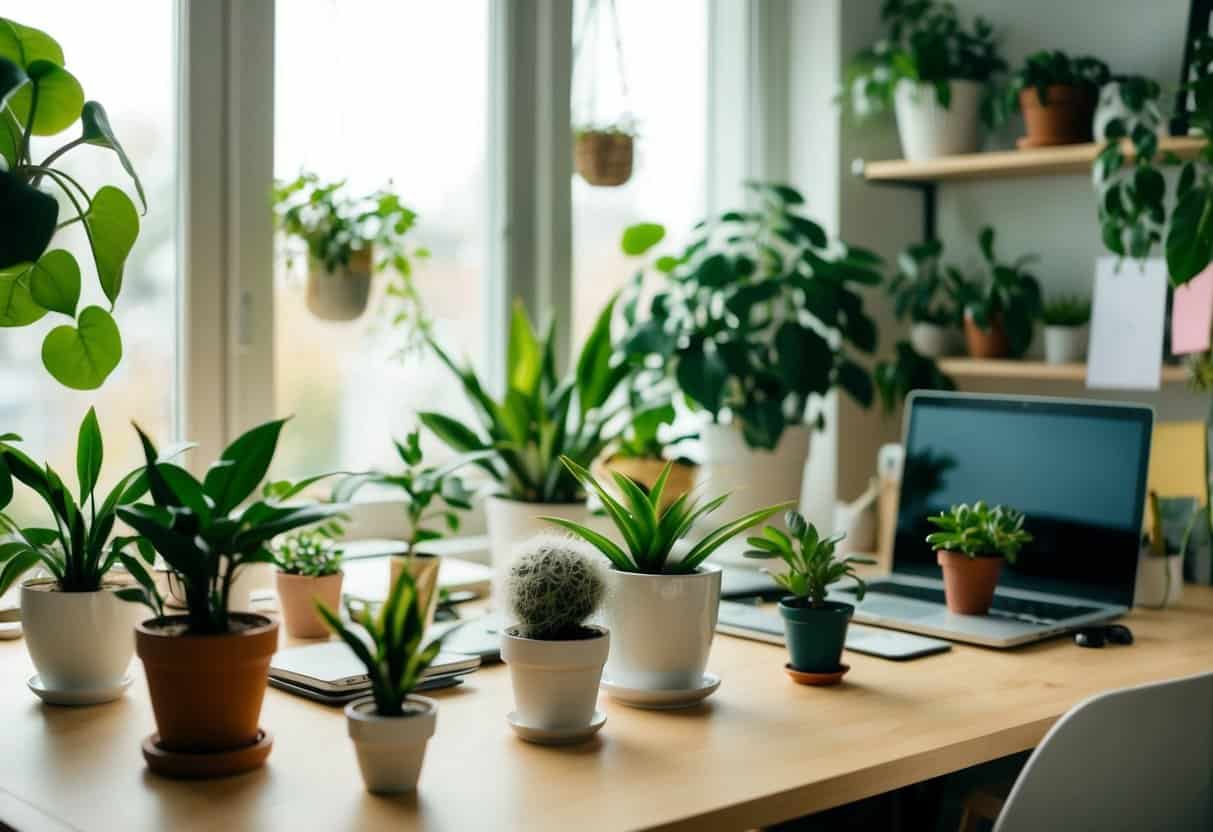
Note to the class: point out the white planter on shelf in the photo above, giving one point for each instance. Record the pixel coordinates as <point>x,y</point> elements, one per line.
<point>341,295</point>
<point>661,628</point>
<point>555,682</point>
<point>1066,344</point>
<point>391,749</point>
<point>79,641</point>
<point>756,477</point>
<point>927,129</point>
<point>932,340</point>
<point>511,522</point>
<point>1160,581</point>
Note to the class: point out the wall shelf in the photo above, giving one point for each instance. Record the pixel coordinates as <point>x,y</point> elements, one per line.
<point>975,368</point>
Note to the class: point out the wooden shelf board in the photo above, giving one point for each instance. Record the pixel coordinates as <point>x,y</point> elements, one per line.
<point>1034,370</point>
<point>1040,161</point>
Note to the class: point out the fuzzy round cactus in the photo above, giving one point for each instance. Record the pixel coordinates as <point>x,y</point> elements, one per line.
<point>553,587</point>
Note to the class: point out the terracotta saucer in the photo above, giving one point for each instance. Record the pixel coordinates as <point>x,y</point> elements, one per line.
<point>198,765</point>
<point>817,679</point>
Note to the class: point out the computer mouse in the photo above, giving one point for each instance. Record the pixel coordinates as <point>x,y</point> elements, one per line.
<point>1119,634</point>
<point>1089,638</point>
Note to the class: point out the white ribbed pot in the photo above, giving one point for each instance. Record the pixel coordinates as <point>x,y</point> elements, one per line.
<point>511,522</point>
<point>661,628</point>
<point>756,477</point>
<point>927,129</point>
<point>1066,344</point>
<point>79,641</point>
<point>391,749</point>
<point>341,295</point>
<point>555,682</point>
<point>1160,581</point>
<point>932,340</point>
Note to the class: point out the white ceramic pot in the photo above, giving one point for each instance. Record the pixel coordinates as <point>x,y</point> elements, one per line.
<point>1160,581</point>
<point>932,340</point>
<point>661,628</point>
<point>511,522</point>
<point>928,130</point>
<point>756,477</point>
<point>340,295</point>
<point>1110,106</point>
<point>1066,344</point>
<point>391,749</point>
<point>79,641</point>
<point>555,682</point>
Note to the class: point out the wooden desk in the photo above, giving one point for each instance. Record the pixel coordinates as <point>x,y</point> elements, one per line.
<point>761,750</point>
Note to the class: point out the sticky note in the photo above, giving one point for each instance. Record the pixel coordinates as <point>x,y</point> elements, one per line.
<point>1192,314</point>
<point>1127,320</point>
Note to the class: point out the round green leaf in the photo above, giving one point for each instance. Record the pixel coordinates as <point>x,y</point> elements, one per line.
<point>60,98</point>
<point>17,304</point>
<point>701,376</point>
<point>97,130</point>
<point>23,45</point>
<point>639,238</point>
<point>113,225</point>
<point>55,282</point>
<point>83,356</point>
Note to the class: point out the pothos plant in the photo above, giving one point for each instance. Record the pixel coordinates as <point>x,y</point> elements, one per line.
<point>1008,293</point>
<point>760,312</point>
<point>39,99</point>
<point>922,287</point>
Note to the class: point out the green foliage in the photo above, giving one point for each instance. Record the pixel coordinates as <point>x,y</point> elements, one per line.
<point>1007,292</point>
<point>754,317</point>
<point>980,531</point>
<point>197,529</point>
<point>648,532</point>
<point>554,588</point>
<point>812,566</point>
<point>1046,68</point>
<point>1189,239</point>
<point>312,553</point>
<point>922,288</point>
<point>38,97</point>
<point>907,372</point>
<point>395,658</point>
<point>641,437</point>
<point>541,417</point>
<point>1067,310</point>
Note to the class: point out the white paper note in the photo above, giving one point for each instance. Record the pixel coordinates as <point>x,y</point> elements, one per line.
<point>1127,324</point>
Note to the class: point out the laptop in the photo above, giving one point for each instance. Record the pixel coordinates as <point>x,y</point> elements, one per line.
<point>1077,469</point>
<point>328,671</point>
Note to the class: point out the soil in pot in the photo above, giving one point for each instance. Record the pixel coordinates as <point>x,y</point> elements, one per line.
<point>298,594</point>
<point>969,582</point>
<point>556,682</point>
<point>391,749</point>
<point>604,158</point>
<point>815,635</point>
<point>986,343</point>
<point>1065,119</point>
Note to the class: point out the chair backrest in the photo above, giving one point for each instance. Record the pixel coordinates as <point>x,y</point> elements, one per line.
<point>1138,758</point>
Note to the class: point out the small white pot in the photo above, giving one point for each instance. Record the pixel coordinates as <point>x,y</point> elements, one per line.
<point>928,130</point>
<point>340,295</point>
<point>555,682</point>
<point>1066,344</point>
<point>757,477</point>
<point>661,628</point>
<point>511,522</point>
<point>1160,581</point>
<point>391,749</point>
<point>1110,106</point>
<point>932,340</point>
<point>79,641</point>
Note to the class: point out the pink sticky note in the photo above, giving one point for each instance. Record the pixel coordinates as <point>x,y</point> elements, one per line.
<point>1192,314</point>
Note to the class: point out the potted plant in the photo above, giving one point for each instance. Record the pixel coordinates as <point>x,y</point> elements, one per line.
<point>1066,320</point>
<point>758,315</point>
<point>207,668</point>
<point>1001,308</point>
<point>970,546</point>
<point>661,611</point>
<point>639,452</point>
<point>921,292</point>
<point>815,628</point>
<point>1057,96</point>
<point>392,727</point>
<point>78,630</point>
<point>933,71</point>
<point>603,153</point>
<point>44,99</point>
<point>555,657</point>
<point>341,232</point>
<point>541,417</point>
<point>908,371</point>
<point>309,569</point>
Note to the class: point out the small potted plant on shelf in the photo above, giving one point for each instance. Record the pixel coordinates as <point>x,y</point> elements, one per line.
<point>1001,309</point>
<point>922,291</point>
<point>1057,95</point>
<point>309,569</point>
<point>1066,320</point>
<point>347,238</point>
<point>970,546</point>
<point>639,452</point>
<point>815,628</point>
<point>207,668</point>
<point>392,727</point>
<point>555,657</point>
<point>661,610</point>
<point>933,71</point>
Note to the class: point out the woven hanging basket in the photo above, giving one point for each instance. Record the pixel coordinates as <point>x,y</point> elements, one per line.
<point>604,158</point>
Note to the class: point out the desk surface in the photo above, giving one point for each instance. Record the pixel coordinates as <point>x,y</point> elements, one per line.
<point>761,750</point>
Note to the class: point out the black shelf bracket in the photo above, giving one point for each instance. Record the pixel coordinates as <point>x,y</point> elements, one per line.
<point>1199,12</point>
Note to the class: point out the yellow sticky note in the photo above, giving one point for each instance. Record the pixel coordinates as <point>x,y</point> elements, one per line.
<point>1177,460</point>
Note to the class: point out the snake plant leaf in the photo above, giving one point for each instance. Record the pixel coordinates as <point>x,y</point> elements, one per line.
<point>11,78</point>
<point>525,355</point>
<point>83,356</point>
<point>97,131</point>
<point>24,44</point>
<point>59,98</point>
<point>27,221</point>
<point>113,225</point>
<point>17,304</point>
<point>55,282</point>
<point>89,454</point>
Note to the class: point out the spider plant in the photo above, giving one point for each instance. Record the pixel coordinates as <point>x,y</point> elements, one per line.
<point>812,566</point>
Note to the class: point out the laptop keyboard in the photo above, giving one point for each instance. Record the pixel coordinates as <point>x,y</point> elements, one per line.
<point>1020,609</point>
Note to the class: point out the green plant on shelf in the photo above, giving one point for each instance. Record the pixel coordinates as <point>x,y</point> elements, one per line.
<point>1008,295</point>
<point>921,287</point>
<point>810,558</point>
<point>907,372</point>
<point>312,553</point>
<point>1066,310</point>
<point>40,98</point>
<point>980,531</point>
<point>1047,68</point>
<point>554,588</point>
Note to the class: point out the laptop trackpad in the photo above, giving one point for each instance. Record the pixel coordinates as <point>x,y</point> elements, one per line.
<point>896,608</point>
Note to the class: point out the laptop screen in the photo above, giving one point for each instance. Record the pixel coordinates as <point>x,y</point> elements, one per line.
<point>1076,470</point>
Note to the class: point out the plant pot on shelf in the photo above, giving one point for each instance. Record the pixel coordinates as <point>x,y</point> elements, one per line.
<point>555,682</point>
<point>969,582</point>
<point>990,342</point>
<point>297,596</point>
<point>815,635</point>
<point>645,471</point>
<point>1066,118</point>
<point>511,522</point>
<point>423,569</point>
<point>1160,580</point>
<point>932,340</point>
<point>391,749</point>
<point>604,157</point>
<point>761,477</point>
<point>340,295</point>
<point>927,129</point>
<point>1066,344</point>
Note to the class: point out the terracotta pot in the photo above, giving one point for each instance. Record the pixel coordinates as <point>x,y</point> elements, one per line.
<point>342,295</point>
<point>968,583</point>
<point>206,690</point>
<point>986,343</point>
<point>1066,119</point>
<point>645,470</point>
<point>423,569</point>
<point>297,595</point>
<point>604,158</point>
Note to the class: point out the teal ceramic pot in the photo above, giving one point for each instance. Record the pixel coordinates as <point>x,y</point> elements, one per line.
<point>815,635</point>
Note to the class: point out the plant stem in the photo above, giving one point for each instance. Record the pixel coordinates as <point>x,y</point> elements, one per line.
<point>46,163</point>
<point>29,125</point>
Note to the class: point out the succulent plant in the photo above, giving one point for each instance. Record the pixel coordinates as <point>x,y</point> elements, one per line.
<point>554,587</point>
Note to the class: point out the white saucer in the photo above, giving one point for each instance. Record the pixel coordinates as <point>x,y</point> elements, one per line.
<point>77,697</point>
<point>543,736</point>
<point>663,700</point>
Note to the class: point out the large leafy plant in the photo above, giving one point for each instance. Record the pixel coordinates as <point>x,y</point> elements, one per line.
<point>650,533</point>
<point>922,287</point>
<point>758,313</point>
<point>542,416</point>
<point>810,559</point>
<point>1046,68</point>
<point>980,531</point>
<point>40,98</point>
<point>202,530</point>
<point>1008,293</point>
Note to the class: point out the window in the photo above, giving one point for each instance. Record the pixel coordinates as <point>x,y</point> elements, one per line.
<point>137,87</point>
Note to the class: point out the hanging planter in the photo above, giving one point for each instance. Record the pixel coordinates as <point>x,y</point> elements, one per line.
<point>604,143</point>
<point>604,157</point>
<point>341,295</point>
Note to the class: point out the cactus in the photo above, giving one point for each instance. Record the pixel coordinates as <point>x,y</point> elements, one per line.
<point>553,587</point>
